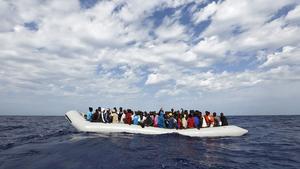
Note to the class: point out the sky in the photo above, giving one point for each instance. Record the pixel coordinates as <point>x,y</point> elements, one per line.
<point>240,57</point>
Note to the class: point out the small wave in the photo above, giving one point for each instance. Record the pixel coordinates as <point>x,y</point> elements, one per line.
<point>56,134</point>
<point>82,136</point>
<point>5,128</point>
<point>7,146</point>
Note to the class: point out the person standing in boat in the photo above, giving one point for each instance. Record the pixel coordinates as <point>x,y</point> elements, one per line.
<point>89,114</point>
<point>223,120</point>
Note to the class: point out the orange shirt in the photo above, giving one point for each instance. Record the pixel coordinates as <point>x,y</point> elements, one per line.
<point>207,120</point>
<point>211,119</point>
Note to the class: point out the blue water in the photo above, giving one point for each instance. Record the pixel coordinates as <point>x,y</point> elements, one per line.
<point>50,142</point>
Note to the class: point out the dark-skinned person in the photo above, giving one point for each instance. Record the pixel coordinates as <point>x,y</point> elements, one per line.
<point>172,121</point>
<point>89,114</point>
<point>179,123</point>
<point>161,120</point>
<point>95,116</point>
<point>223,120</point>
<point>196,120</point>
<point>148,121</point>
<point>200,119</point>
<point>120,113</point>
<point>128,117</point>
<point>190,122</point>
<point>114,116</point>
<point>184,121</point>
<point>216,120</point>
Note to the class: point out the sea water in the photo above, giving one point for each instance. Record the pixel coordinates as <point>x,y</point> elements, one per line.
<point>37,142</point>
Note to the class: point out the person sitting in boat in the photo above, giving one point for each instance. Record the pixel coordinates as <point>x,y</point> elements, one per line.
<point>136,119</point>
<point>155,120</point>
<point>89,114</point>
<point>128,118</point>
<point>123,117</point>
<point>108,115</point>
<point>184,121</point>
<point>179,122</point>
<point>143,117</point>
<point>103,115</point>
<point>172,123</point>
<point>200,119</point>
<point>190,121</point>
<point>161,119</point>
<point>197,120</point>
<point>95,116</point>
<point>120,113</point>
<point>114,116</point>
<point>212,120</point>
<point>209,119</point>
<point>99,119</point>
<point>216,120</point>
<point>166,117</point>
<point>223,120</point>
<point>148,121</point>
<point>206,118</point>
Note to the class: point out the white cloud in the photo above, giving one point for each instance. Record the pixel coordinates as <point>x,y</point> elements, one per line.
<point>205,13</point>
<point>212,46</point>
<point>155,78</point>
<point>243,14</point>
<point>272,35</point>
<point>171,30</point>
<point>288,56</point>
<point>294,15</point>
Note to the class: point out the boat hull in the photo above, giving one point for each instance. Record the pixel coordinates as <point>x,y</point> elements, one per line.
<point>77,120</point>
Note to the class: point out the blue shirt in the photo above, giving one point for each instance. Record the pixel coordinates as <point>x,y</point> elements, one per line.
<point>196,121</point>
<point>161,121</point>
<point>89,116</point>
<point>136,120</point>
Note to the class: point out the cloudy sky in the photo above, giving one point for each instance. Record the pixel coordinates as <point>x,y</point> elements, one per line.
<point>241,57</point>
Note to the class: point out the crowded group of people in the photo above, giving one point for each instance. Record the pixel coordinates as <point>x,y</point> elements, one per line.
<point>163,119</point>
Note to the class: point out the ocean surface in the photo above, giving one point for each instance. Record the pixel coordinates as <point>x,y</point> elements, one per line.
<point>31,142</point>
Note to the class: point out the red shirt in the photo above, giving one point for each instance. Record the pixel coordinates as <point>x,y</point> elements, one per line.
<point>128,118</point>
<point>179,123</point>
<point>190,122</point>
